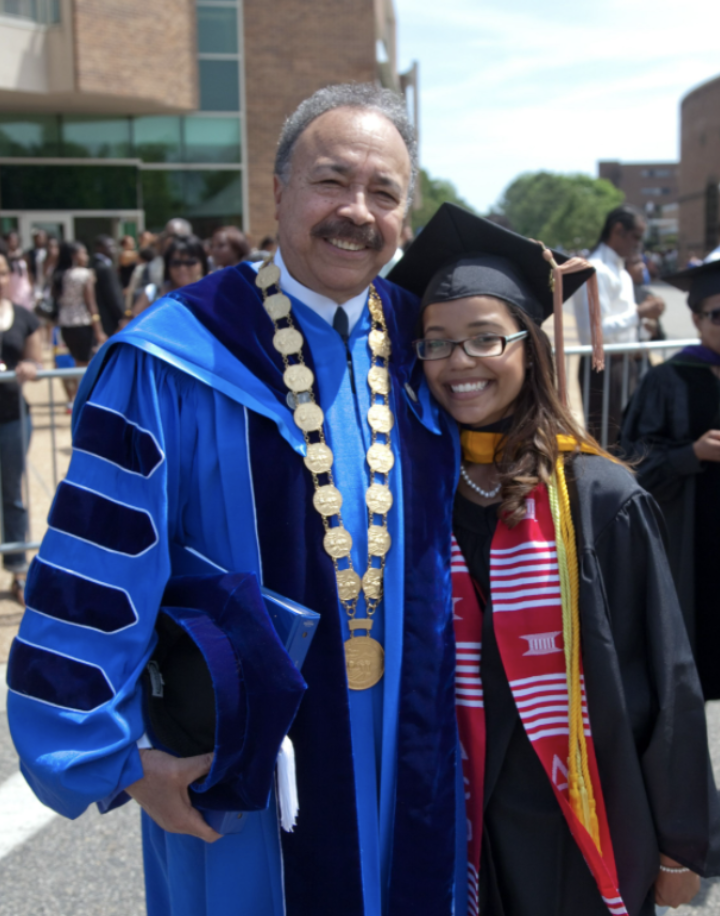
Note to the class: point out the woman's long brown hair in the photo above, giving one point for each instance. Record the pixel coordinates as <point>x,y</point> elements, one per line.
<point>530,448</point>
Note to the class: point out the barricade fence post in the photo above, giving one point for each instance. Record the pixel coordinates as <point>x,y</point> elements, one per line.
<point>25,435</point>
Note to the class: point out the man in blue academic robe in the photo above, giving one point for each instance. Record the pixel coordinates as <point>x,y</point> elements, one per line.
<point>185,448</point>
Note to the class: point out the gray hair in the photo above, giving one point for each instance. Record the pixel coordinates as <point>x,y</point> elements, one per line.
<point>347,95</point>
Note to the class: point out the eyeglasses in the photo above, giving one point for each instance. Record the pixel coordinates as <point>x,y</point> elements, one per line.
<point>713,315</point>
<point>187,262</point>
<point>482,346</point>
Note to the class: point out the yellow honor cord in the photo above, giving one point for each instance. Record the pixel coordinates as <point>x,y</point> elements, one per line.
<point>582,797</point>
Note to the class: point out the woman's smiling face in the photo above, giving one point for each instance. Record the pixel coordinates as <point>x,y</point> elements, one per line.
<point>477,391</point>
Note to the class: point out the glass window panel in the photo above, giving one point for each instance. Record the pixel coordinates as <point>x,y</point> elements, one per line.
<point>212,139</point>
<point>163,197</point>
<point>29,135</point>
<point>157,139</point>
<point>98,138</point>
<point>213,193</point>
<point>68,187</point>
<point>219,85</point>
<point>217,30</point>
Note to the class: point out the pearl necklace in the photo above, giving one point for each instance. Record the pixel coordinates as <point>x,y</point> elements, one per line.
<point>488,494</point>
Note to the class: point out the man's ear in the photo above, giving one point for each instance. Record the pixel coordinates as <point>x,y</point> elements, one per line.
<point>278,188</point>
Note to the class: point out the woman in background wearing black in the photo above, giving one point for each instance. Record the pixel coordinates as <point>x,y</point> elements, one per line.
<point>672,425</point>
<point>21,351</point>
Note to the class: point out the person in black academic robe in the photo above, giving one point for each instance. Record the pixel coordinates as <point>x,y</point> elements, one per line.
<point>645,704</point>
<point>672,428</point>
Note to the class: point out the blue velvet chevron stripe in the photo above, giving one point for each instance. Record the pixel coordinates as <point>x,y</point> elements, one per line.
<point>92,517</point>
<point>114,438</point>
<point>78,600</point>
<point>56,679</point>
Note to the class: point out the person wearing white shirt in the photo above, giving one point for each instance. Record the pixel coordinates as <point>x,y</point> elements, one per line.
<point>622,319</point>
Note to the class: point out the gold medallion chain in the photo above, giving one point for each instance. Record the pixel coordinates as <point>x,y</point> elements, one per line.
<point>364,655</point>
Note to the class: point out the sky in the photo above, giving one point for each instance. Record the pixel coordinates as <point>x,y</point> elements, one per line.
<point>511,86</point>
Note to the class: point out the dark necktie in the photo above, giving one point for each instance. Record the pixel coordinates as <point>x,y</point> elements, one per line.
<point>340,323</point>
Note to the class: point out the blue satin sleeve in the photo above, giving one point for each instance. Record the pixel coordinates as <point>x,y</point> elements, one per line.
<point>95,587</point>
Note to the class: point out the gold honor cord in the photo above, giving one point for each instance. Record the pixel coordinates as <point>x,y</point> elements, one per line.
<point>364,656</point>
<point>582,799</point>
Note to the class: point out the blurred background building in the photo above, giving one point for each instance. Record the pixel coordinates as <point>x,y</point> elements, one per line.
<point>116,116</point>
<point>700,169</point>
<point>651,187</point>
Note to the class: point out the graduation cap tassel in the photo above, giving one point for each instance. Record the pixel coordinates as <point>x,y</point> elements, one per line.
<point>574,265</point>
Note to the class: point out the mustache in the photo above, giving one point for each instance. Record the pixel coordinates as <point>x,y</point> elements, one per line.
<point>343,229</point>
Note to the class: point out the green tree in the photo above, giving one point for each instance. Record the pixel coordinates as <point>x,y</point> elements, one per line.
<point>433,193</point>
<point>563,211</point>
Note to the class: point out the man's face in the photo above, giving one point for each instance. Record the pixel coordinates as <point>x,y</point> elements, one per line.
<point>40,239</point>
<point>341,212</point>
<point>627,242</point>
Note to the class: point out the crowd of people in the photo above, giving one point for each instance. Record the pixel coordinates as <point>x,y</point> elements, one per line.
<point>500,711</point>
<point>58,295</point>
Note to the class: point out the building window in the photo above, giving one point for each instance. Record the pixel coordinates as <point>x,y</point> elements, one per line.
<point>212,139</point>
<point>657,173</point>
<point>96,138</point>
<point>68,187</point>
<point>157,139</point>
<point>29,135</point>
<point>45,12</point>
<point>655,192</point>
<point>217,30</point>
<point>219,85</point>
<point>207,197</point>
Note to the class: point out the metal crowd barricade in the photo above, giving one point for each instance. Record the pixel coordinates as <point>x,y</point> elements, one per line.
<point>50,375</point>
<point>612,351</point>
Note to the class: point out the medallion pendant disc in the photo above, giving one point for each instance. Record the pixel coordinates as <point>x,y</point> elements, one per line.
<point>364,661</point>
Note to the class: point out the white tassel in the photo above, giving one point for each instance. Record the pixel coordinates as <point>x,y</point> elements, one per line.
<point>287,786</point>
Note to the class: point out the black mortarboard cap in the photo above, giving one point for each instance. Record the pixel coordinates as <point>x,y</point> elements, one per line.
<point>459,254</point>
<point>698,282</point>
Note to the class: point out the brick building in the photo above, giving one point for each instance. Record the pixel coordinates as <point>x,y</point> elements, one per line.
<point>115,116</point>
<point>700,170</point>
<point>653,188</point>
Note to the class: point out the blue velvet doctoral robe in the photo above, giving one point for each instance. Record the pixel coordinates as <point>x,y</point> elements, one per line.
<point>183,439</point>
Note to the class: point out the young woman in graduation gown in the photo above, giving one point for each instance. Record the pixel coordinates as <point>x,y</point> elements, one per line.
<point>672,427</point>
<point>588,783</point>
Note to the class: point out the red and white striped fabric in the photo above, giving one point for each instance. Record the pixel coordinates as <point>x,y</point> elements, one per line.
<point>470,710</point>
<point>527,609</point>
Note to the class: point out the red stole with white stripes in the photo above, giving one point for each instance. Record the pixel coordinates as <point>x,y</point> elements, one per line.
<point>527,619</point>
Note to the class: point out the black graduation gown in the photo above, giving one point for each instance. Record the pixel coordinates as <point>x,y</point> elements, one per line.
<point>642,691</point>
<point>676,403</point>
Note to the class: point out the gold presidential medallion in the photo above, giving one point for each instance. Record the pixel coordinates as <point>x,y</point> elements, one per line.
<point>379,380</point>
<point>288,341</point>
<point>379,343</point>
<point>378,541</point>
<point>278,306</point>
<point>298,378</point>
<point>380,418</point>
<point>364,656</point>
<point>309,417</point>
<point>337,542</point>
<point>327,500</point>
<point>372,583</point>
<point>379,499</point>
<point>319,458</point>
<point>380,458</point>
